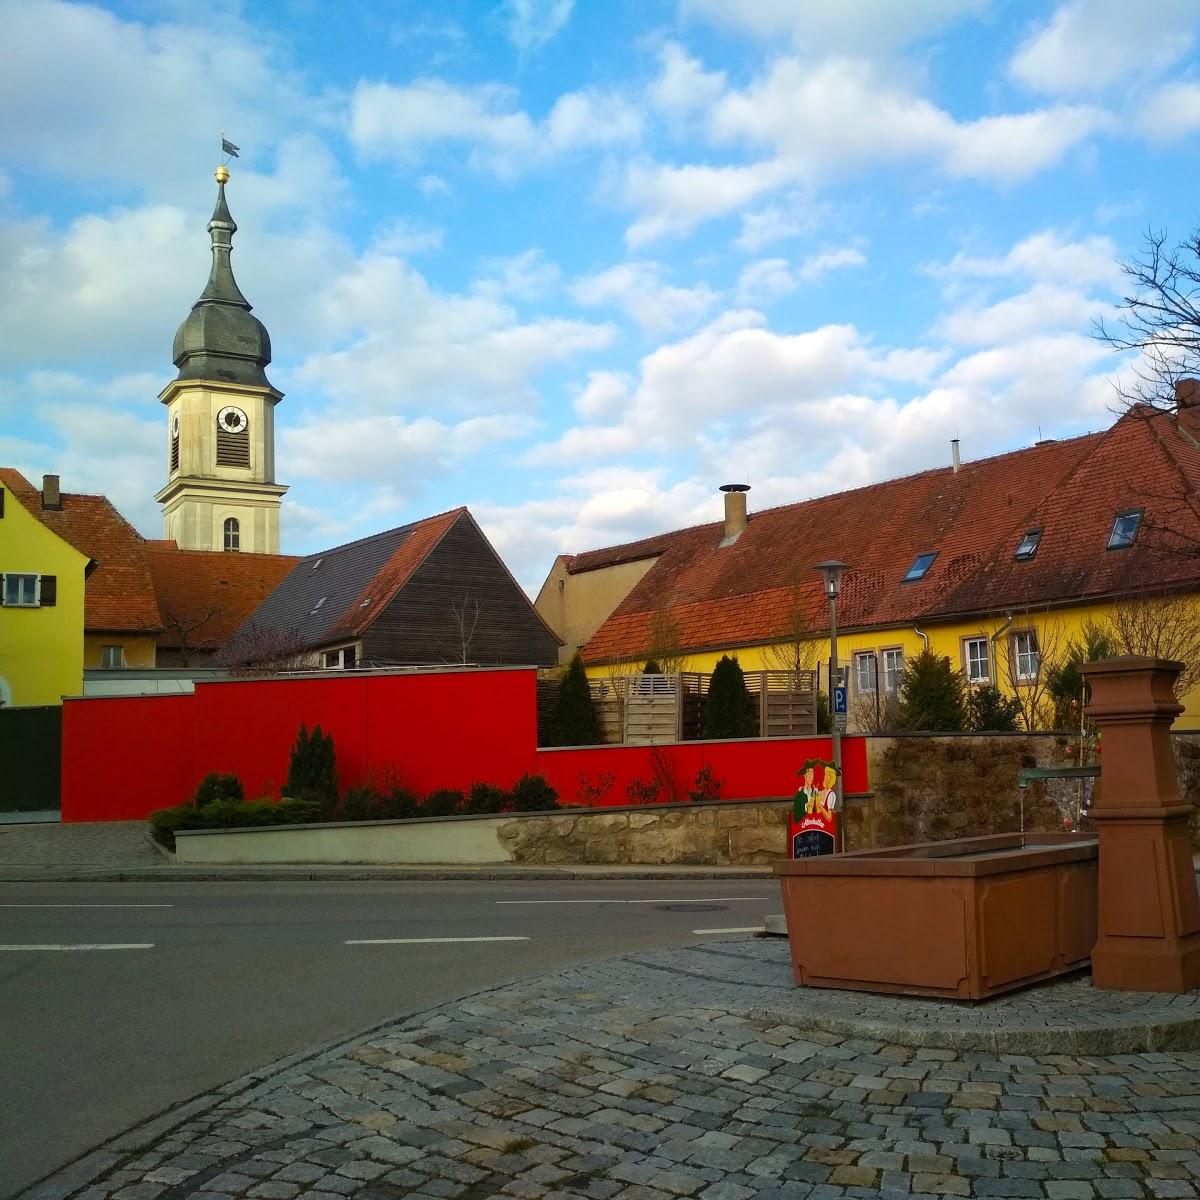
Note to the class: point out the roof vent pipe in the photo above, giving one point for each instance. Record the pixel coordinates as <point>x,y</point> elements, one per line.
<point>51,496</point>
<point>735,511</point>
<point>955,458</point>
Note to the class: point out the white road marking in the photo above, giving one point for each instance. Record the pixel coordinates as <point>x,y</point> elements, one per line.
<point>668,900</point>
<point>743,929</point>
<point>87,906</point>
<point>427,941</point>
<point>88,946</point>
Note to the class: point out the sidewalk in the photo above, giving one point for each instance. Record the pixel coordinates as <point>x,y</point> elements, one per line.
<point>696,1072</point>
<point>122,852</point>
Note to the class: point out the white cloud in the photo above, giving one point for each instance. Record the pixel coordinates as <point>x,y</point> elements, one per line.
<point>769,278</point>
<point>1048,256</point>
<point>775,223</point>
<point>1043,307</point>
<point>393,122</point>
<point>386,448</point>
<point>603,396</point>
<point>835,25</point>
<point>1088,45</point>
<point>1170,112</point>
<point>683,86</point>
<point>637,288</point>
<point>532,24</point>
<point>526,276</point>
<point>405,237</point>
<point>816,265</point>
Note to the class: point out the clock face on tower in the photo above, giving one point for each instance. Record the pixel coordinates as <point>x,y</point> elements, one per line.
<point>231,420</point>
<point>175,425</point>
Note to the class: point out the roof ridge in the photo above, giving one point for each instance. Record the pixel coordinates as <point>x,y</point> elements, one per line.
<point>411,525</point>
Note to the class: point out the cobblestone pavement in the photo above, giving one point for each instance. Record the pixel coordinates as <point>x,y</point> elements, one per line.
<point>110,844</point>
<point>645,1079</point>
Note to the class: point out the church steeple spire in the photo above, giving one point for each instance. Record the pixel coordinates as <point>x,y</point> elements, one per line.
<point>220,340</point>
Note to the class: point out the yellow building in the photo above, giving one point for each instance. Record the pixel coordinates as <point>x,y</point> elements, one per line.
<point>41,602</point>
<point>998,564</point>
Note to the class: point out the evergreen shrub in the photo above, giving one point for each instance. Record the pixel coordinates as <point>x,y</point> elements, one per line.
<point>445,802</point>
<point>989,710</point>
<point>730,711</point>
<point>575,721</point>
<point>933,696</point>
<point>312,772</point>
<point>215,787</point>
<point>533,793</point>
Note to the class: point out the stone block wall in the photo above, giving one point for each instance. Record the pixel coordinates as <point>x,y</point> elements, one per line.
<point>728,833</point>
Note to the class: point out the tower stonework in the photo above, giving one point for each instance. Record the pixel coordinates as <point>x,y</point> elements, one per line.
<point>221,492</point>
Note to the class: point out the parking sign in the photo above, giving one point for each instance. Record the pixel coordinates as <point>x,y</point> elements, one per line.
<point>839,700</point>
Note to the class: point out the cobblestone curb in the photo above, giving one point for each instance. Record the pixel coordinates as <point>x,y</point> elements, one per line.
<point>650,1078</point>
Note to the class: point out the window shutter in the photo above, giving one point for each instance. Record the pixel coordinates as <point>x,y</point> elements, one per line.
<point>49,591</point>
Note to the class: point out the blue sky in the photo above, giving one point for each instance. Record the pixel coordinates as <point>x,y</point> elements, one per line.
<point>575,264</point>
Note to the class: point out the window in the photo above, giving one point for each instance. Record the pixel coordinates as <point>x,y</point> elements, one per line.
<point>978,660</point>
<point>866,673</point>
<point>1029,544</point>
<point>112,656</point>
<point>20,591</point>
<point>1124,530</point>
<point>233,534</point>
<point>893,670</point>
<point>343,659</point>
<point>920,567</point>
<point>1027,657</point>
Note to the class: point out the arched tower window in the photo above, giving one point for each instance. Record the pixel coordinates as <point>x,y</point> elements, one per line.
<point>233,534</point>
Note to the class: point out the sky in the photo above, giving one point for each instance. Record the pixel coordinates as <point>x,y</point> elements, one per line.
<point>577,263</point>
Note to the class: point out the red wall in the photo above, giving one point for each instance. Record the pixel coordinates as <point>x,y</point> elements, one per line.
<point>124,757</point>
<point>745,769</point>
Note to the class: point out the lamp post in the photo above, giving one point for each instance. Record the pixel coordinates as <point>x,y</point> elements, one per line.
<point>832,570</point>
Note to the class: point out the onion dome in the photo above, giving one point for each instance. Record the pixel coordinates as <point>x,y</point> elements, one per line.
<point>220,340</point>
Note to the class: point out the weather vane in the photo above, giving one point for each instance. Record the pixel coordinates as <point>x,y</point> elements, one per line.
<point>228,151</point>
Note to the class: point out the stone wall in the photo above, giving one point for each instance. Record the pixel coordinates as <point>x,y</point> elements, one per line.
<point>929,788</point>
<point>730,833</point>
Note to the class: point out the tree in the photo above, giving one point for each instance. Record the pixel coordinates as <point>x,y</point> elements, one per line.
<point>664,643</point>
<point>262,650</point>
<point>183,628</point>
<point>1025,667</point>
<point>1159,626</point>
<point>464,623</point>
<point>932,695</point>
<point>312,770</point>
<point>1065,683</point>
<point>800,644</point>
<point>730,711</point>
<point>1159,318</point>
<point>989,710</point>
<point>574,722</point>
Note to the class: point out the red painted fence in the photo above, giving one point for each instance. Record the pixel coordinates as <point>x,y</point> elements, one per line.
<point>124,757</point>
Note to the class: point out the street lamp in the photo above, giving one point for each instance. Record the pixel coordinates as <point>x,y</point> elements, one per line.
<point>832,570</point>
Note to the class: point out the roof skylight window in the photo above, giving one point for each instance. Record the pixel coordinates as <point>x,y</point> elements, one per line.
<point>920,567</point>
<point>1029,544</point>
<point>317,563</point>
<point>1125,529</point>
<point>319,603</point>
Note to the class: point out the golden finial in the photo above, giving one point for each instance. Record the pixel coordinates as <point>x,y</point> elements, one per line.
<point>221,174</point>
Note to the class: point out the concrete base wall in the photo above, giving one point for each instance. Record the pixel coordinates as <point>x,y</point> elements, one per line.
<point>730,833</point>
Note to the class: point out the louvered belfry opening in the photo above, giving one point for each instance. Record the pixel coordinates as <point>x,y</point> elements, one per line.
<point>175,452</point>
<point>233,449</point>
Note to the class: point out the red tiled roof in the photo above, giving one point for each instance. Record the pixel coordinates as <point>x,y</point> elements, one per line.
<point>742,594</point>
<point>204,595</point>
<point>119,596</point>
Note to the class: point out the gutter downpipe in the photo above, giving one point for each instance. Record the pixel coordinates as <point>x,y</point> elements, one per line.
<point>923,636</point>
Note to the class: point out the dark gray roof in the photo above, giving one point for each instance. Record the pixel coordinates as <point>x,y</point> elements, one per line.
<point>220,339</point>
<point>315,595</point>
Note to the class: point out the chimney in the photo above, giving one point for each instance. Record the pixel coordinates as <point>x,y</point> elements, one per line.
<point>1187,407</point>
<point>51,497</point>
<point>735,511</point>
<point>955,458</point>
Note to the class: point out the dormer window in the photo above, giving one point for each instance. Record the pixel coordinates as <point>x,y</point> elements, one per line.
<point>1029,544</point>
<point>920,567</point>
<point>1125,529</point>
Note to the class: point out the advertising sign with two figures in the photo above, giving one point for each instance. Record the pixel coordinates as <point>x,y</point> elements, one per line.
<point>812,829</point>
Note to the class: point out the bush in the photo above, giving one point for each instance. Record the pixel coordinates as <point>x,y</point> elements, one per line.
<point>575,721</point>
<point>932,695</point>
<point>824,717</point>
<point>730,711</point>
<point>443,803</point>
<point>487,798</point>
<point>231,814</point>
<point>358,804</point>
<point>312,773</point>
<point>652,667</point>
<point>398,805</point>
<point>989,710</point>
<point>706,788</point>
<point>532,793</point>
<point>218,787</point>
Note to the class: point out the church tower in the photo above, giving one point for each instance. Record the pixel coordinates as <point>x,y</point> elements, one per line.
<point>221,492</point>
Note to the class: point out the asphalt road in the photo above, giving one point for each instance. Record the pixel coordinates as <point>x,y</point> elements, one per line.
<point>199,983</point>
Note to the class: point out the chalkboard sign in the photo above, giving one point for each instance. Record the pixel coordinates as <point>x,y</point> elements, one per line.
<point>811,843</point>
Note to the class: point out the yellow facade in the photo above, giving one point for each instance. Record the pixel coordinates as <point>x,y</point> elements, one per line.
<point>135,651</point>
<point>1054,631</point>
<point>41,647</point>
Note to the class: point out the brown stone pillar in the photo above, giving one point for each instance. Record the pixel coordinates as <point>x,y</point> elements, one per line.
<point>1149,926</point>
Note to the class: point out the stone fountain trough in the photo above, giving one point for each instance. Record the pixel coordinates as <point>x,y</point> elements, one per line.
<point>964,919</point>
